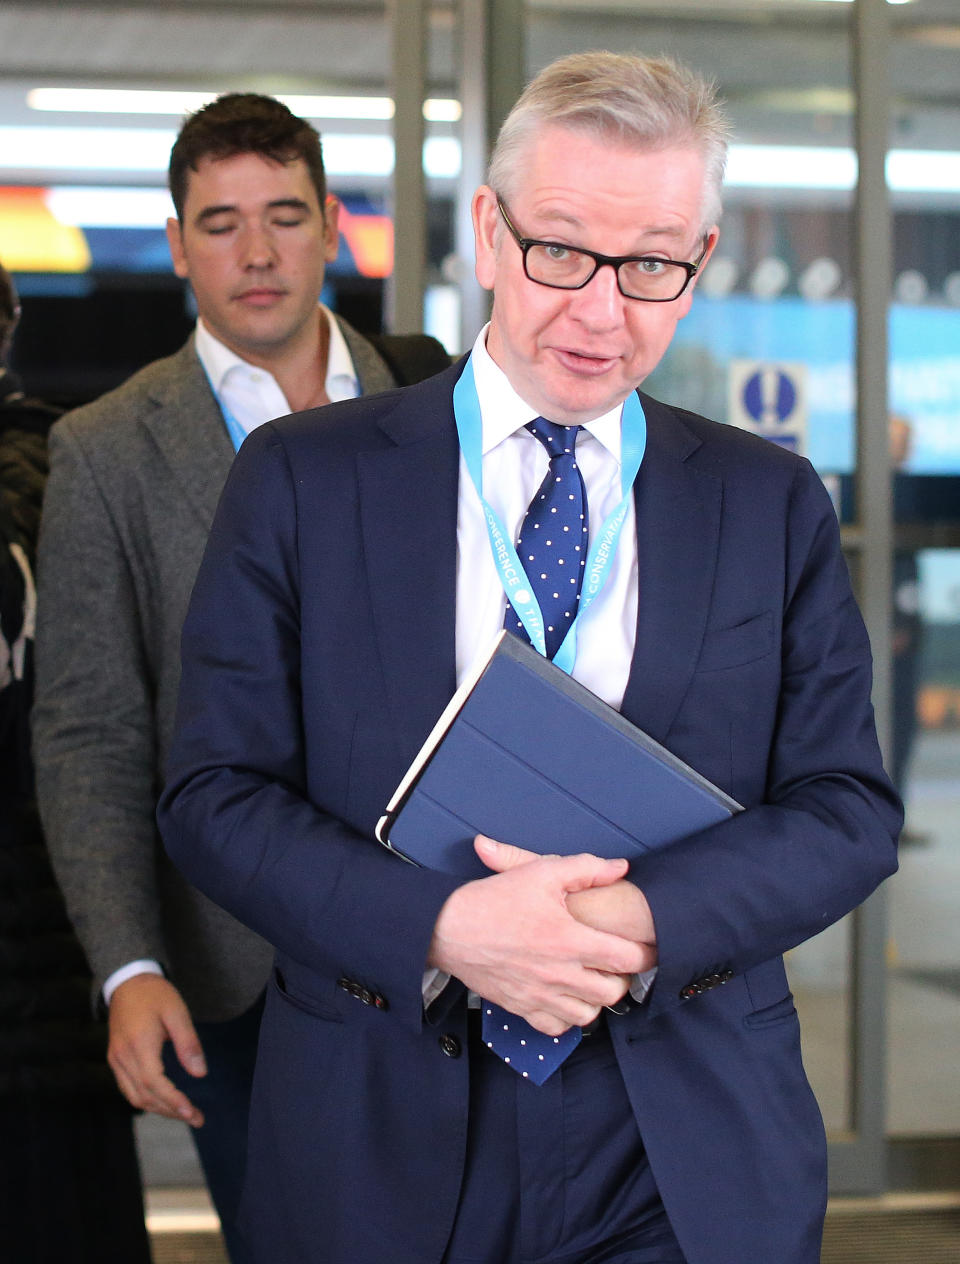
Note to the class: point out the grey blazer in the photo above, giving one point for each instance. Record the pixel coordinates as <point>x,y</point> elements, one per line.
<point>135,479</point>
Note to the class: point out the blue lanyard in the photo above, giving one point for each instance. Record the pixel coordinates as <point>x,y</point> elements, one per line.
<point>602,549</point>
<point>234,429</point>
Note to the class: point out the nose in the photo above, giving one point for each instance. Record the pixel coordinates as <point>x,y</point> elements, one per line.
<point>599,305</point>
<point>257,247</point>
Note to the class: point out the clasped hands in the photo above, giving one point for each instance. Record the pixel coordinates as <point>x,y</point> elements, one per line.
<point>553,939</point>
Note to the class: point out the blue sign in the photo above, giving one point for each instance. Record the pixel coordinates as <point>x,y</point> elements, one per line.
<point>769,397</point>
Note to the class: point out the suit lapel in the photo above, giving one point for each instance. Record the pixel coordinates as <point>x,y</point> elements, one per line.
<point>188,429</point>
<point>372,373</point>
<point>678,530</point>
<point>408,509</point>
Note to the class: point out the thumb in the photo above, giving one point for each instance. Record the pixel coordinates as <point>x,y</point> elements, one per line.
<point>578,873</point>
<point>501,856</point>
<point>187,1044</point>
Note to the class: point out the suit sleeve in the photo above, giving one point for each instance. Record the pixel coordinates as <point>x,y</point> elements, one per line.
<point>93,731</point>
<point>822,835</point>
<point>239,813</point>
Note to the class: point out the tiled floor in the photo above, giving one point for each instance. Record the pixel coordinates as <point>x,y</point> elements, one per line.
<point>890,1230</point>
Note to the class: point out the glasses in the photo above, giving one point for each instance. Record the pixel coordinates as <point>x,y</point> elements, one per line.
<point>647,278</point>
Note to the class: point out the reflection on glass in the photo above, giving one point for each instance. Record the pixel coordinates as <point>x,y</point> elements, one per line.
<point>924,1006</point>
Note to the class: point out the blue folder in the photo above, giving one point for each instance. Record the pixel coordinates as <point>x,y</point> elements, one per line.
<point>527,755</point>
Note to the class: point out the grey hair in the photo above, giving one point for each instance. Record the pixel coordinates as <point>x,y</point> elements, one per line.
<point>651,102</point>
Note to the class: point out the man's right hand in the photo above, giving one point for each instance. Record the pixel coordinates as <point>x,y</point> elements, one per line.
<point>145,1012</point>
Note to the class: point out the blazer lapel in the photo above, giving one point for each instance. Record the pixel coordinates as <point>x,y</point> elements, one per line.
<point>188,429</point>
<point>408,510</point>
<point>372,373</point>
<point>678,530</point>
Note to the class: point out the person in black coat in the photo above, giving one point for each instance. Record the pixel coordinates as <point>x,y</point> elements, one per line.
<point>69,1178</point>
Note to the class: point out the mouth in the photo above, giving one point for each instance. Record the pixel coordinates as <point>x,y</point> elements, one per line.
<point>585,363</point>
<point>260,296</point>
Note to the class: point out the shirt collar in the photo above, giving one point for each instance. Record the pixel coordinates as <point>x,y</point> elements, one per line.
<point>339,360</point>
<point>217,358</point>
<point>503,412</point>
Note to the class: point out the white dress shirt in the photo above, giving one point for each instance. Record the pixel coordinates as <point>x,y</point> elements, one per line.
<point>251,394</point>
<point>514,464</point>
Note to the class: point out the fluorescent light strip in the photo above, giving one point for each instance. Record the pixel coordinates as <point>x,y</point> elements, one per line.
<point>177,103</point>
<point>86,206</point>
<point>142,149</point>
<point>146,152</point>
<point>810,167</point>
<point>923,171</point>
<point>790,167</point>
<point>128,150</point>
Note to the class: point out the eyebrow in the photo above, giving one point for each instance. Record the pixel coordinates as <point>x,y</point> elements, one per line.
<point>227,208</point>
<point>672,233</point>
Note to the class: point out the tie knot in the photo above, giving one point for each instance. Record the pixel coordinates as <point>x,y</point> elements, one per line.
<point>558,440</point>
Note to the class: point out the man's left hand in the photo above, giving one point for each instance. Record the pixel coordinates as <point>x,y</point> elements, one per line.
<point>619,909</point>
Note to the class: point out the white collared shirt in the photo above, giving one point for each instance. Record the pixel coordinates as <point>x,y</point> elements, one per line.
<point>514,465</point>
<point>251,395</point>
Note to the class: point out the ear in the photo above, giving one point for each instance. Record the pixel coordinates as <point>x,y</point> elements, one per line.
<point>177,253</point>
<point>485,217</point>
<point>712,238</point>
<point>331,227</point>
<point>686,298</point>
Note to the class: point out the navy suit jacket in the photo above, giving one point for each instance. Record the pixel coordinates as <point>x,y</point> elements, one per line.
<point>318,652</point>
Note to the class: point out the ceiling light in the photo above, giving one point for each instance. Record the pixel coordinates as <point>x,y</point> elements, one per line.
<point>57,151</point>
<point>823,167</point>
<point>109,207</point>
<point>791,167</point>
<point>179,103</point>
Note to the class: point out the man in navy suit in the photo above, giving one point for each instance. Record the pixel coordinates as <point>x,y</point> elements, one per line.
<point>350,582</point>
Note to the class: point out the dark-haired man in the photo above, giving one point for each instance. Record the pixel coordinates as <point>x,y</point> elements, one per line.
<point>135,479</point>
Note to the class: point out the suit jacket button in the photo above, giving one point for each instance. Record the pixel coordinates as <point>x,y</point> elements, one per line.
<point>380,1001</point>
<point>365,995</point>
<point>450,1045</point>
<point>345,984</point>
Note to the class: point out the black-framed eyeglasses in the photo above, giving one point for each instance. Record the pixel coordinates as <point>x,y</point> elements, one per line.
<point>647,278</point>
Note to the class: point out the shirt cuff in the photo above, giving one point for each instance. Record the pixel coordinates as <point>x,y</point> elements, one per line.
<point>434,981</point>
<point>641,984</point>
<point>143,966</point>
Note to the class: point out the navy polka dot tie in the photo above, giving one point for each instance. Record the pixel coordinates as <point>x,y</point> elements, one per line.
<point>552,545</point>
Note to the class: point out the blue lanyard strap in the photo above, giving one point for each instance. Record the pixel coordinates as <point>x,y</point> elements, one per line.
<point>234,429</point>
<point>602,549</point>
